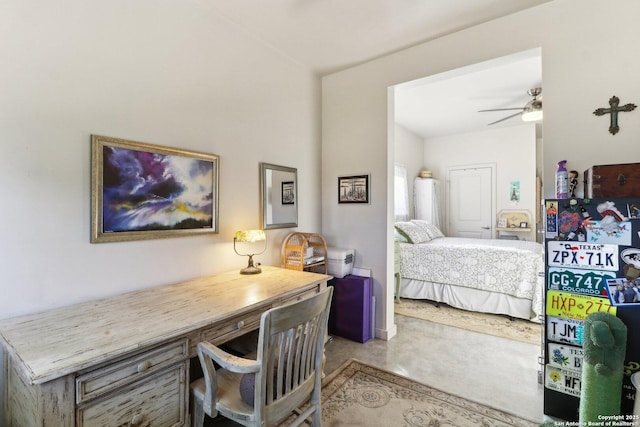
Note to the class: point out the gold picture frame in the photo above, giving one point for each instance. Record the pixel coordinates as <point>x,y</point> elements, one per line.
<point>144,191</point>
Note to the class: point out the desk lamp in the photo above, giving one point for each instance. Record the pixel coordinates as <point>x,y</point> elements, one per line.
<point>250,236</point>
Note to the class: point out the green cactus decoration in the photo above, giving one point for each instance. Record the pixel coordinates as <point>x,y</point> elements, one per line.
<point>604,347</point>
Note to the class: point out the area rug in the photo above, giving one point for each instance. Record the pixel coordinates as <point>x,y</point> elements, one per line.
<point>358,394</point>
<point>492,324</point>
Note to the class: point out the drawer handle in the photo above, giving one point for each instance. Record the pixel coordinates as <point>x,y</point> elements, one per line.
<point>136,420</point>
<point>144,366</point>
<point>241,324</point>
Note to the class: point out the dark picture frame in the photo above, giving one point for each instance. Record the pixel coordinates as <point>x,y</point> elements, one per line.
<point>353,189</point>
<point>288,193</point>
<point>144,191</point>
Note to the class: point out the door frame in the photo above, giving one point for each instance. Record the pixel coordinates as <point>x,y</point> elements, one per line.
<point>494,181</point>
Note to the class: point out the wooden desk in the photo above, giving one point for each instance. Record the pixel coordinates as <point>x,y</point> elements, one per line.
<point>125,360</point>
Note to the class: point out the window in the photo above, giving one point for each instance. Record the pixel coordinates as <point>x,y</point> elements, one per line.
<point>401,194</point>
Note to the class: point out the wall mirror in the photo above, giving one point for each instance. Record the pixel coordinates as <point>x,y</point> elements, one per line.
<point>279,191</point>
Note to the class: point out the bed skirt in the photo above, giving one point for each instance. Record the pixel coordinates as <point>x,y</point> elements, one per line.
<point>469,299</point>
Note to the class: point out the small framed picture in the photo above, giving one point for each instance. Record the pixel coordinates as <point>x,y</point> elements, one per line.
<point>523,225</point>
<point>633,209</point>
<point>353,189</point>
<point>502,222</point>
<point>288,193</point>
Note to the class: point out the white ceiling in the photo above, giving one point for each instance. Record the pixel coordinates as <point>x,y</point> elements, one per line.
<point>331,35</point>
<point>449,103</point>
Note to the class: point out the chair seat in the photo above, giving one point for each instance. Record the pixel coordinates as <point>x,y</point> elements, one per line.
<point>230,403</point>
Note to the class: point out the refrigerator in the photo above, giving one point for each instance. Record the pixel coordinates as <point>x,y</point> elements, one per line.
<point>592,261</point>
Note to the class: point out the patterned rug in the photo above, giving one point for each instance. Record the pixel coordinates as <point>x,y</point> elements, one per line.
<point>357,394</point>
<point>492,324</point>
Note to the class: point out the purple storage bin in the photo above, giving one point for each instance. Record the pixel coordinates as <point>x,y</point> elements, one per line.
<point>351,308</point>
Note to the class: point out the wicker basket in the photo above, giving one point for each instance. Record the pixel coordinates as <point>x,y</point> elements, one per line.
<point>305,251</point>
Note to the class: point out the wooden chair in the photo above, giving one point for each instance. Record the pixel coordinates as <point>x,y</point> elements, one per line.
<point>287,368</point>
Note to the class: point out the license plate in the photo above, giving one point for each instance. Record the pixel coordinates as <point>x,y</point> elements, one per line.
<point>575,306</point>
<point>582,255</point>
<point>563,380</point>
<point>565,357</point>
<point>569,331</point>
<point>588,282</point>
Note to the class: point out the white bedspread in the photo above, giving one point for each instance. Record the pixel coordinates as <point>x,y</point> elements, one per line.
<point>504,266</point>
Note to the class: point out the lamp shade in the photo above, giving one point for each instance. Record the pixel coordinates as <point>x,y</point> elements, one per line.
<point>250,236</point>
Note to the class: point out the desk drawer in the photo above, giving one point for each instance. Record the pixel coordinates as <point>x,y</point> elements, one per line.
<point>234,327</point>
<point>302,295</point>
<point>102,380</point>
<point>156,400</point>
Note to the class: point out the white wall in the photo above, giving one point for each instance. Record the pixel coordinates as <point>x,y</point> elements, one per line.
<point>158,71</point>
<point>513,151</point>
<point>588,55</point>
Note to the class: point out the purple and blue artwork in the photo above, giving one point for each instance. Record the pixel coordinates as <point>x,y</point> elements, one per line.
<point>150,191</point>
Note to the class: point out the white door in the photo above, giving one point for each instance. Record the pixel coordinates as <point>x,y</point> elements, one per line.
<point>470,202</point>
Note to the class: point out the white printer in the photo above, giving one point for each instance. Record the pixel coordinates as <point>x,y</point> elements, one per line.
<point>340,261</point>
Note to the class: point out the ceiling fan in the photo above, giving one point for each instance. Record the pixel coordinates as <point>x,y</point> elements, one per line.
<point>532,111</point>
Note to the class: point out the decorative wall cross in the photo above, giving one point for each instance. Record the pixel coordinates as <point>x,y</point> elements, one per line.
<point>614,102</point>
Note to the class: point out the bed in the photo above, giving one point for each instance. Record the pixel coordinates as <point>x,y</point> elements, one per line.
<point>492,276</point>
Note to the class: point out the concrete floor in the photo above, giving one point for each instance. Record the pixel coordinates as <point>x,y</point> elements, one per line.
<point>495,371</point>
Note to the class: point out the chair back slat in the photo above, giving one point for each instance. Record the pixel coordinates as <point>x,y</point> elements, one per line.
<point>292,358</point>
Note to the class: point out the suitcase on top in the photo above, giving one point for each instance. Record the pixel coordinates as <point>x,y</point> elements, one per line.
<point>621,180</point>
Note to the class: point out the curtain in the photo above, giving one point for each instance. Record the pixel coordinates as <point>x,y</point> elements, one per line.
<point>401,194</point>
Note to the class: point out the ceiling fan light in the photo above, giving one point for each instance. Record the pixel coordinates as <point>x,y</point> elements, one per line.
<point>532,116</point>
<point>533,110</point>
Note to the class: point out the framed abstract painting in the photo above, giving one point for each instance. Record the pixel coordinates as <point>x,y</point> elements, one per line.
<point>143,191</point>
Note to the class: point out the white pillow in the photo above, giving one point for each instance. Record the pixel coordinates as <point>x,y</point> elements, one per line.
<point>412,232</point>
<point>433,231</point>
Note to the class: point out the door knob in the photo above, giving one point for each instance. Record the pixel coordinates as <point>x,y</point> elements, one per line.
<point>486,228</point>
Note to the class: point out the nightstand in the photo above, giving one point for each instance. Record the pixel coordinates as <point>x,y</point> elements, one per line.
<point>513,222</point>
<point>396,270</point>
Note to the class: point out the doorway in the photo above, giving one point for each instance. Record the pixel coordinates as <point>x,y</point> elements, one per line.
<point>443,128</point>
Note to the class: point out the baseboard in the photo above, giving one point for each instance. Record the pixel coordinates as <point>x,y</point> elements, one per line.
<point>386,334</point>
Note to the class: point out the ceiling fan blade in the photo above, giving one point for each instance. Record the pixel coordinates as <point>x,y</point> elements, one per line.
<point>503,119</point>
<point>501,109</point>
